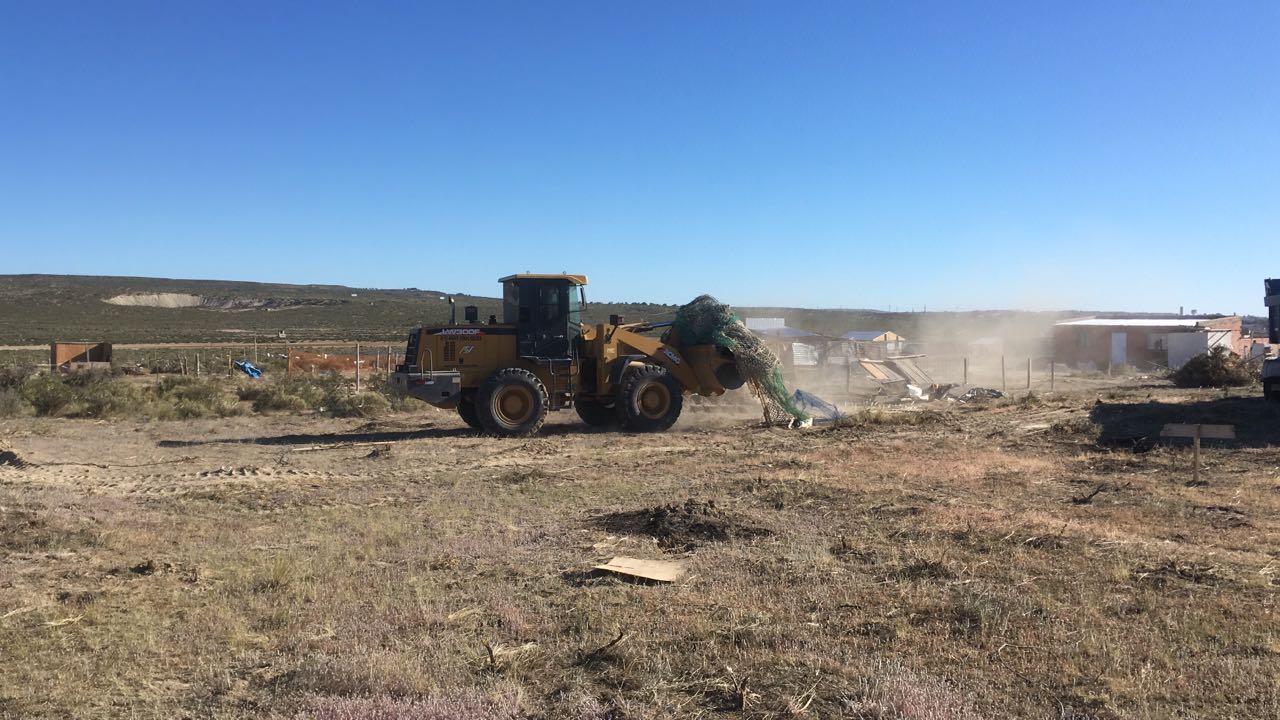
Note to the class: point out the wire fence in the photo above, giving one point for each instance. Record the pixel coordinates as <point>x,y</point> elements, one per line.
<point>211,360</point>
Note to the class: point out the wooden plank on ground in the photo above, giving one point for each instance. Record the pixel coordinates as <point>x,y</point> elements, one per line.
<point>659,570</point>
<point>1207,432</point>
<point>873,371</point>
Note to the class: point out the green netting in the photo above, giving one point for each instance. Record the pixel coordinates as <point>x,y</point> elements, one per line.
<point>709,321</point>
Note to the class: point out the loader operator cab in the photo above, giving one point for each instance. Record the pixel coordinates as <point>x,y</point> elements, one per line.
<point>547,313</point>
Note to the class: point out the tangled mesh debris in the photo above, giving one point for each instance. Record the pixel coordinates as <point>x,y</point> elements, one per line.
<point>706,320</point>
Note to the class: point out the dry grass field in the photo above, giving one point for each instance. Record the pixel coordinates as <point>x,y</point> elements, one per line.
<point>1032,559</point>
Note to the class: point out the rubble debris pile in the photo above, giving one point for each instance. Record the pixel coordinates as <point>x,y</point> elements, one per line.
<point>708,321</point>
<point>979,394</point>
<point>1217,368</point>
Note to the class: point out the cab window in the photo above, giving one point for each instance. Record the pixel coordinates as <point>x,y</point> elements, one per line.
<point>549,304</point>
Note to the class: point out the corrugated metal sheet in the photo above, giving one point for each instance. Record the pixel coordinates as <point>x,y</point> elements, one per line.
<point>805,355</point>
<point>907,367</point>
<point>1131,322</point>
<point>765,323</point>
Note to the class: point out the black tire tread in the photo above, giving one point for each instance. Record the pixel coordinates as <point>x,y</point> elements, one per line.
<point>499,379</point>
<point>630,416</point>
<point>467,410</point>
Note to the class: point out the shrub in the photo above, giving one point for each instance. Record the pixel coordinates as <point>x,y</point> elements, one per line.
<point>290,393</point>
<point>192,398</point>
<point>1217,368</point>
<point>48,394</point>
<point>362,404</point>
<point>89,378</point>
<point>397,401</point>
<point>323,393</point>
<point>267,398</point>
<point>188,388</point>
<point>12,376</point>
<point>107,398</point>
<point>11,402</point>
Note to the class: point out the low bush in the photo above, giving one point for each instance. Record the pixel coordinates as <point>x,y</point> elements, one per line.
<point>307,392</point>
<point>89,378</point>
<point>327,394</point>
<point>1217,368</point>
<point>12,376</point>
<point>107,398</point>
<point>11,402</point>
<point>271,398</point>
<point>397,401</point>
<point>362,404</point>
<point>48,394</point>
<point>97,394</point>
<point>196,397</point>
<point>88,394</point>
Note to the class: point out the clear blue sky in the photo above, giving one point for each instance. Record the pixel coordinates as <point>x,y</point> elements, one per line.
<point>1111,155</point>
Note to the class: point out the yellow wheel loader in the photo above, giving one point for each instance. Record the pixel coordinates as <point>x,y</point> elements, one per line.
<point>504,377</point>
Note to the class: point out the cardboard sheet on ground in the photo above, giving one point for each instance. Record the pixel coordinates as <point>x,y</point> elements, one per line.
<point>1207,432</point>
<point>659,570</point>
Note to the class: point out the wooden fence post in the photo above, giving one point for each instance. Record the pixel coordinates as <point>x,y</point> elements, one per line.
<point>1195,477</point>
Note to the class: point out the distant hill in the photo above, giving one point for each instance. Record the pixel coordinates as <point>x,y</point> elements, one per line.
<point>37,309</point>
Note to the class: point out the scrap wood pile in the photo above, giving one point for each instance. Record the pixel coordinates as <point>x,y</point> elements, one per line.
<point>708,321</point>
<point>1217,368</point>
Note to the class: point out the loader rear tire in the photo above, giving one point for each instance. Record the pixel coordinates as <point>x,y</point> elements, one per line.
<point>595,413</point>
<point>512,403</point>
<point>650,400</point>
<point>467,409</point>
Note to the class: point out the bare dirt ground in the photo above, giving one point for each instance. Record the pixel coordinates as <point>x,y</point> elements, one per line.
<point>1042,559</point>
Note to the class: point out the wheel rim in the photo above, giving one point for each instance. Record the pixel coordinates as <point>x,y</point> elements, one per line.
<point>654,400</point>
<point>514,405</point>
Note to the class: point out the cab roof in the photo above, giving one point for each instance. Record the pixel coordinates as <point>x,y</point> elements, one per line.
<point>573,279</point>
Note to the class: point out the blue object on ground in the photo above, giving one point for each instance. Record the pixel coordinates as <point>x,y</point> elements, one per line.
<point>816,406</point>
<point>249,369</point>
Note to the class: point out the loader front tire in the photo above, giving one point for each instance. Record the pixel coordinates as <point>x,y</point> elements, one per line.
<point>650,400</point>
<point>595,413</point>
<point>467,409</point>
<point>512,403</point>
